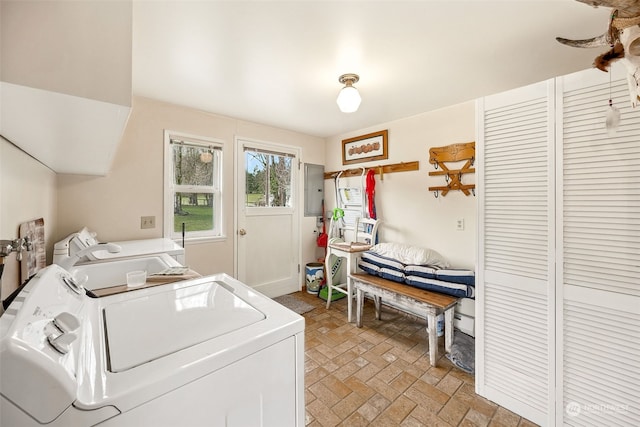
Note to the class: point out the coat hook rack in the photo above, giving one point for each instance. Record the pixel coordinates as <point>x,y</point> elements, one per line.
<point>380,170</point>
<point>440,156</point>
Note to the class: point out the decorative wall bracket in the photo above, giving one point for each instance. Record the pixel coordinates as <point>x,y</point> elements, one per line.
<point>439,156</point>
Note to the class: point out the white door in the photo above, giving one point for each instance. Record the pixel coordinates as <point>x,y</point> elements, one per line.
<point>598,252</point>
<point>267,217</point>
<point>516,265</point>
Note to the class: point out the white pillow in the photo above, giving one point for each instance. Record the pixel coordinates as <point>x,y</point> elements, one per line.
<point>408,254</point>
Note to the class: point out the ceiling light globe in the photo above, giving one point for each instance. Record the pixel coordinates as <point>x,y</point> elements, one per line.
<point>349,99</point>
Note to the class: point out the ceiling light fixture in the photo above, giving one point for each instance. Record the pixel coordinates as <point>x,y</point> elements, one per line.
<point>349,97</point>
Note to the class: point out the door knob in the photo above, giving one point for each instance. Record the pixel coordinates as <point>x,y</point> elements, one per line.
<point>242,232</point>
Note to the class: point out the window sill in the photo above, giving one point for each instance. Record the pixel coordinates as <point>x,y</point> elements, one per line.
<point>200,240</point>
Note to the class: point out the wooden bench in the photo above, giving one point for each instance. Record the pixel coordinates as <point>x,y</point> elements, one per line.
<point>413,300</point>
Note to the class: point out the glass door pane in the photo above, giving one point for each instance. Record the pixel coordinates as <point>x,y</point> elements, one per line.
<point>268,179</point>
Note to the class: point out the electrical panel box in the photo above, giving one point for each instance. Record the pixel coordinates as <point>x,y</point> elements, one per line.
<point>313,189</point>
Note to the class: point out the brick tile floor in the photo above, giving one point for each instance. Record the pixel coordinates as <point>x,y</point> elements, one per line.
<point>380,375</point>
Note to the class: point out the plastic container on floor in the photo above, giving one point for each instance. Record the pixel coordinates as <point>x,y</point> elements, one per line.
<point>315,276</point>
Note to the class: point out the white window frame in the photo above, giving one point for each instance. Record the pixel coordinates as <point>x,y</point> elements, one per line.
<point>170,188</point>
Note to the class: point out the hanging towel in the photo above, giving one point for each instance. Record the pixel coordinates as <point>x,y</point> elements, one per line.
<point>371,192</point>
<point>323,238</point>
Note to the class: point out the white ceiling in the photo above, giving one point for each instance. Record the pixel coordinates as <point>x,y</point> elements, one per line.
<point>278,63</point>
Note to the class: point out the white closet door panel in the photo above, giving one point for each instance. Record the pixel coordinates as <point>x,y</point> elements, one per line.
<point>601,358</point>
<point>514,344</point>
<point>516,186</point>
<point>516,192</point>
<point>599,247</point>
<point>516,350</point>
<point>601,188</point>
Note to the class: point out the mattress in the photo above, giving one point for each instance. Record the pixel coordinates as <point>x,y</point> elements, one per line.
<point>454,289</point>
<point>458,282</point>
<point>391,274</point>
<point>425,271</point>
<point>382,261</point>
<point>457,275</point>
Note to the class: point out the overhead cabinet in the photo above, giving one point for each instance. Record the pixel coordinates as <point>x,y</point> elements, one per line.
<point>558,295</point>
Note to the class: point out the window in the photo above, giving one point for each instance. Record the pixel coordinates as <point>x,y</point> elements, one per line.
<point>268,178</point>
<point>193,187</point>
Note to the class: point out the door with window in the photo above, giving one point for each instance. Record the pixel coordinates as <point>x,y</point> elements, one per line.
<point>267,217</point>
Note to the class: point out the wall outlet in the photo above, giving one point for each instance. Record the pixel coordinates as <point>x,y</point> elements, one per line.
<point>460,224</point>
<point>147,222</point>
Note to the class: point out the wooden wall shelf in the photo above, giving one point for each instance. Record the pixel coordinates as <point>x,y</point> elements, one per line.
<point>380,169</point>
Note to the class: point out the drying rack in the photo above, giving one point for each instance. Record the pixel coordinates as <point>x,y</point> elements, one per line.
<point>350,201</point>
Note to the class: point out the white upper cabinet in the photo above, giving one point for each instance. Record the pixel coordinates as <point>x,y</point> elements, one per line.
<point>65,94</point>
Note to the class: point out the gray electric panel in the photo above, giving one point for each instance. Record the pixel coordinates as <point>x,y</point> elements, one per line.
<point>313,189</point>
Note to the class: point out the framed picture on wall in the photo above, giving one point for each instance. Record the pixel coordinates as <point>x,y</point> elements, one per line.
<point>365,148</point>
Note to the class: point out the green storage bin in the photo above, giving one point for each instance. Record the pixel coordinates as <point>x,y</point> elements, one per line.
<point>324,292</point>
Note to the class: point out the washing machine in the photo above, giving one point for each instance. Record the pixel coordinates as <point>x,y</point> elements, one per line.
<point>203,352</point>
<point>83,239</point>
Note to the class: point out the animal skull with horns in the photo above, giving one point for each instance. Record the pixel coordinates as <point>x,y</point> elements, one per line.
<point>623,38</point>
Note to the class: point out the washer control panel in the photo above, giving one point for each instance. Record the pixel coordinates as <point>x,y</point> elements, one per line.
<point>40,345</point>
<point>62,334</point>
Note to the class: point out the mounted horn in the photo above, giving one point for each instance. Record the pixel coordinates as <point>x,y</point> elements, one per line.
<point>599,41</point>
<point>623,39</point>
<point>607,39</point>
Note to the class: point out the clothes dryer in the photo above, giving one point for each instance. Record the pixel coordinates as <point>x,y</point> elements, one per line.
<point>83,239</point>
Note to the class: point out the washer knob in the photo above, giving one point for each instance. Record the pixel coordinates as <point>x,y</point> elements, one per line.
<point>73,284</point>
<point>62,343</point>
<point>66,322</point>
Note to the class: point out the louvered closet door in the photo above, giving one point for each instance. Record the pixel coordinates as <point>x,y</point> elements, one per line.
<point>515,292</point>
<point>599,239</point>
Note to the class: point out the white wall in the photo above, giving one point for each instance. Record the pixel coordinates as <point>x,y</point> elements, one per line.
<point>112,205</point>
<point>409,211</point>
<point>69,47</point>
<point>27,192</point>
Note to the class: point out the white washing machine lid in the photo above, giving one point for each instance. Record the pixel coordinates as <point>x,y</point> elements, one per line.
<point>134,248</point>
<point>140,330</point>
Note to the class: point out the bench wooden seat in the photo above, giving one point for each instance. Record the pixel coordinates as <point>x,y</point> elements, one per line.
<point>410,299</point>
